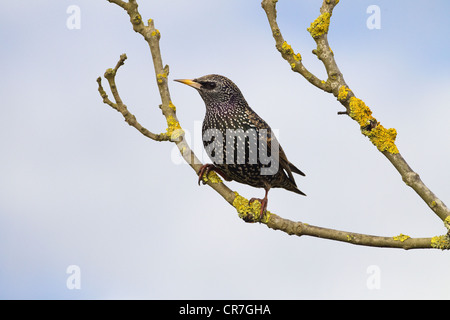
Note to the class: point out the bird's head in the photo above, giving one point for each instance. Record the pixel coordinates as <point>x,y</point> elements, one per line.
<point>215,90</point>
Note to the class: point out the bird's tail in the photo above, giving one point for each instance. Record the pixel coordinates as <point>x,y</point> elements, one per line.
<point>295,189</point>
<point>291,185</point>
<point>289,181</point>
<point>296,170</point>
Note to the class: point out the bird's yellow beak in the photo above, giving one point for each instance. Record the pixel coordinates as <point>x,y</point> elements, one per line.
<point>189,82</point>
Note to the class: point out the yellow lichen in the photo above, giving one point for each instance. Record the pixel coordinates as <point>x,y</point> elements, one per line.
<point>172,106</point>
<point>160,77</point>
<point>156,33</point>
<point>137,19</point>
<point>320,25</point>
<point>441,242</point>
<point>360,112</point>
<point>343,92</point>
<point>297,57</point>
<point>287,49</point>
<point>447,223</point>
<point>173,130</point>
<point>382,138</point>
<point>401,237</point>
<point>213,177</point>
<point>249,212</point>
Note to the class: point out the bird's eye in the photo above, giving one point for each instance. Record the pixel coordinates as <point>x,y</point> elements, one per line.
<point>208,85</point>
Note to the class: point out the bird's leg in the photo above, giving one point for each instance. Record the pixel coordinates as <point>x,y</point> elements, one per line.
<point>263,202</point>
<point>206,168</point>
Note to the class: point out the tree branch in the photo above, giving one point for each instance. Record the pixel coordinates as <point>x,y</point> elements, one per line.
<point>295,60</point>
<point>174,132</point>
<point>382,138</point>
<point>401,241</point>
<point>248,212</point>
<point>110,75</point>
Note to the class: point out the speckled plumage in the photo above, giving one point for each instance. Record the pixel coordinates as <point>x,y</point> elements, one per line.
<point>240,143</point>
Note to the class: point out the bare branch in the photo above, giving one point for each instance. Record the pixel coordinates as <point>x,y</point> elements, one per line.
<point>120,3</point>
<point>110,75</point>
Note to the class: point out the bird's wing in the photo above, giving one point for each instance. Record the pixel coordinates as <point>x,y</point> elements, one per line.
<point>259,123</point>
<point>284,163</point>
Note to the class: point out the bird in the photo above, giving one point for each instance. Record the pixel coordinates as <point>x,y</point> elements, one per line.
<point>240,143</point>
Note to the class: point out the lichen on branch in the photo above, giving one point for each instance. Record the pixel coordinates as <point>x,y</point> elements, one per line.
<point>382,138</point>
<point>320,25</point>
<point>356,109</point>
<point>249,212</point>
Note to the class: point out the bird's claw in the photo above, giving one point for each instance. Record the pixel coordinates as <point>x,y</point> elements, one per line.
<point>206,168</point>
<point>204,171</point>
<point>263,205</point>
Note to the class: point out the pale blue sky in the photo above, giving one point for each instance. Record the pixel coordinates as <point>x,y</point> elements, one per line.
<point>80,187</point>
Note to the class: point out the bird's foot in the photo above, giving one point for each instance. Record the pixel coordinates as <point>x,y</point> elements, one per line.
<point>263,205</point>
<point>206,168</point>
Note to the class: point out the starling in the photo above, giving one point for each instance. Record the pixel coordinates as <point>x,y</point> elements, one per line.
<point>240,144</point>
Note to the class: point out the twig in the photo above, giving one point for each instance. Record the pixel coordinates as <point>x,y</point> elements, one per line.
<point>110,75</point>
